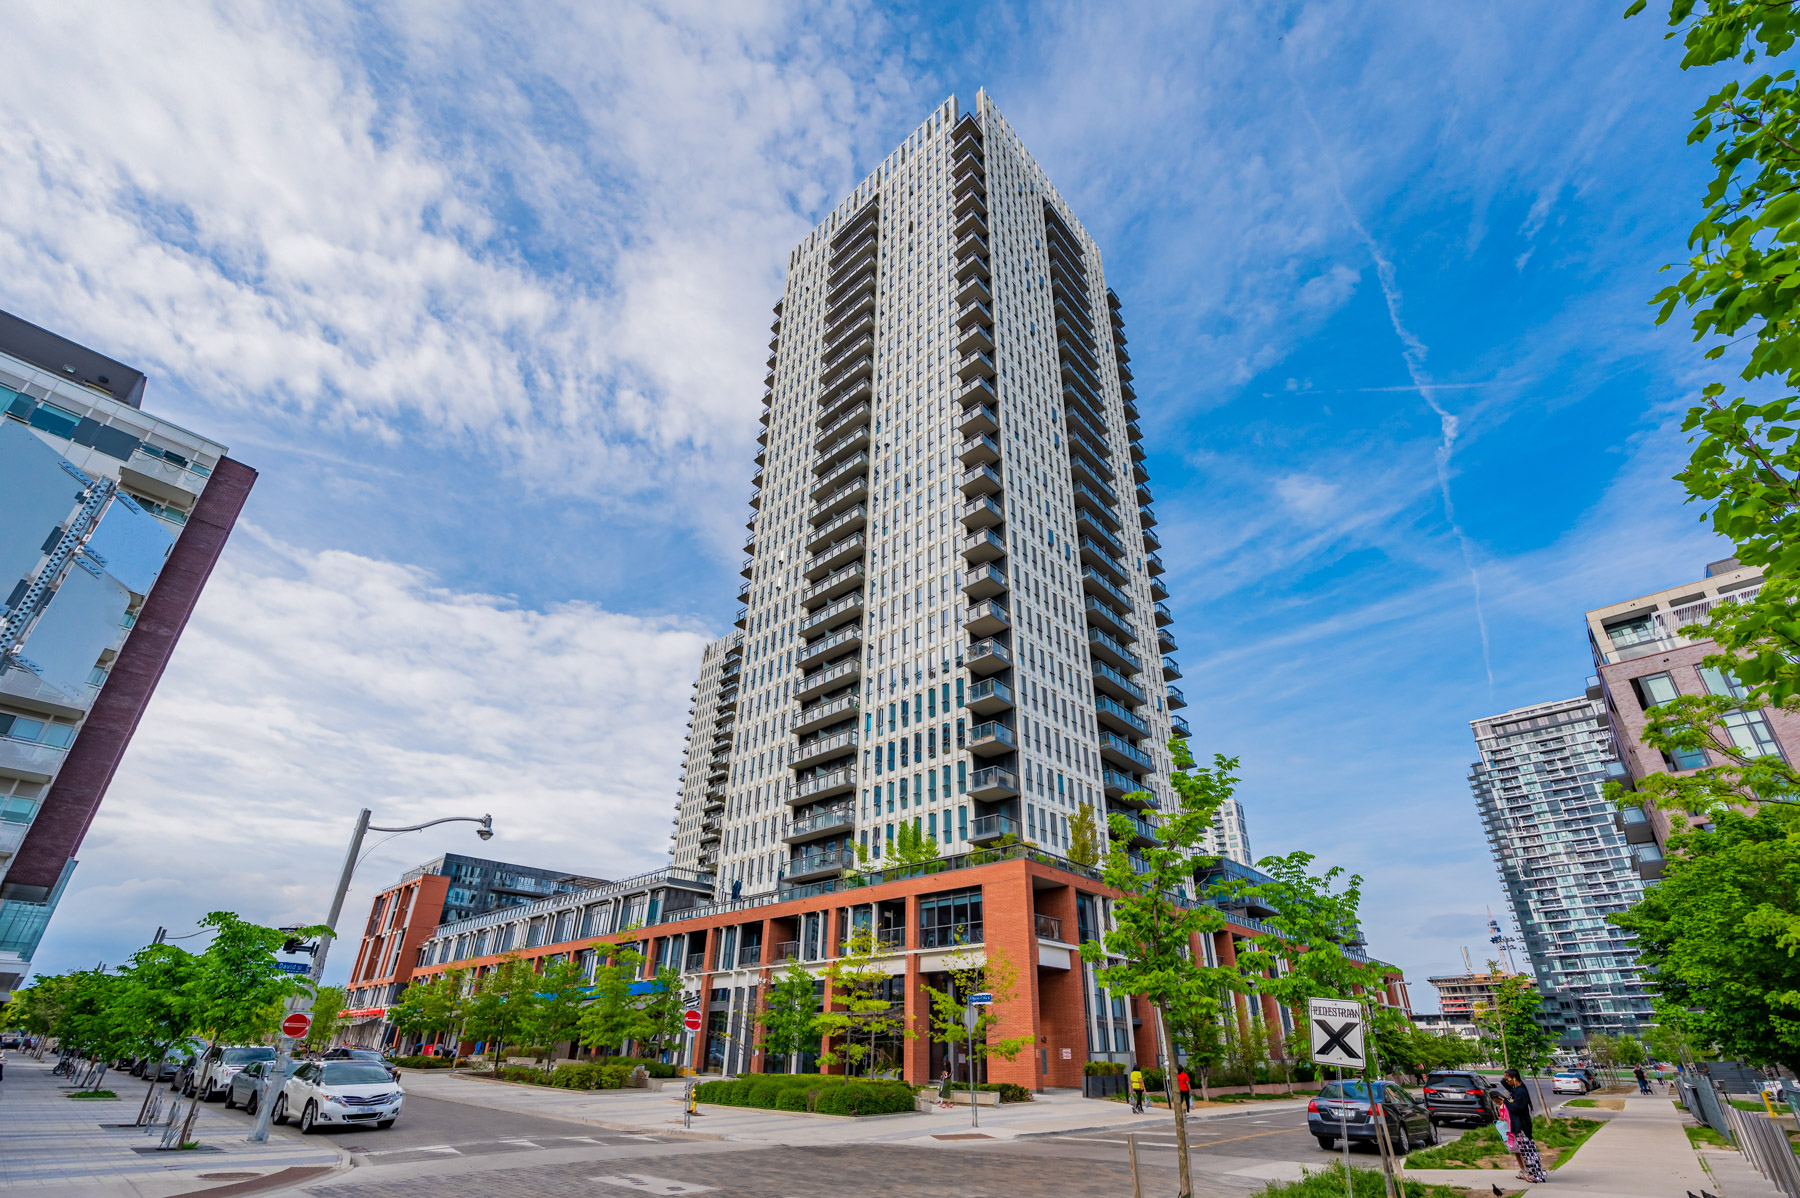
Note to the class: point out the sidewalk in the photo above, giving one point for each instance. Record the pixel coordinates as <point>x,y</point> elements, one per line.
<point>649,1111</point>
<point>1642,1152</point>
<point>51,1143</point>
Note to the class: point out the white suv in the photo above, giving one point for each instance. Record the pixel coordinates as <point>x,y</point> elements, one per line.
<point>339,1092</point>
<point>212,1076</point>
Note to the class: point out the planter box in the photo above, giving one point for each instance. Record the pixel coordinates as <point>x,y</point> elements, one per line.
<point>1105,1086</point>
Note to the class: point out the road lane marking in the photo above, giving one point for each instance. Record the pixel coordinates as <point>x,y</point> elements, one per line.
<point>651,1185</point>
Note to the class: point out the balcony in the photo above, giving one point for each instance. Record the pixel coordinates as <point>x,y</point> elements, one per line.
<point>1108,620</point>
<point>1093,553</point>
<point>1088,501</point>
<point>950,935</point>
<point>817,865</point>
<point>1140,832</point>
<point>1635,823</point>
<point>785,951</point>
<point>1176,698</point>
<point>1092,530</point>
<point>1089,451</point>
<point>1112,652</point>
<point>837,358</point>
<point>971,268</point>
<point>1120,751</point>
<point>1143,494</point>
<point>858,415</point>
<point>710,835</point>
<point>1165,640</point>
<point>992,784</point>
<point>830,678</point>
<point>831,711</point>
<point>983,546</point>
<point>837,642</point>
<point>848,287</point>
<point>968,223</point>
<point>974,290</point>
<point>1118,784</point>
<point>1180,726</point>
<point>748,568</point>
<point>992,739</point>
<point>980,391</point>
<point>1116,716</point>
<point>749,956</point>
<point>834,403</point>
<point>983,480</point>
<point>990,696</point>
<point>827,617</point>
<point>979,450</point>
<point>985,828</point>
<point>852,440</point>
<point>836,527</point>
<point>824,786</point>
<point>820,823</point>
<point>835,557</point>
<point>845,264</point>
<point>975,366</point>
<point>811,752</point>
<point>1171,671</point>
<point>842,583</point>
<point>987,657</point>
<point>971,198</point>
<point>1647,859</point>
<point>986,619</point>
<point>1049,928</point>
<point>979,420</point>
<point>846,496</point>
<point>840,474</point>
<point>1163,615</point>
<point>1158,591</point>
<point>984,582</point>
<point>1154,564</point>
<point>976,341</point>
<point>848,319</point>
<point>971,315</point>
<point>695,962</point>
<point>984,512</point>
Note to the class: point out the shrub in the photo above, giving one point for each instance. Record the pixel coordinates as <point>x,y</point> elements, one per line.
<point>653,1068</point>
<point>864,1098</point>
<point>795,1098</point>
<point>423,1062</point>
<point>809,1092</point>
<point>1103,1069</point>
<point>1008,1091</point>
<point>596,1075</point>
<point>1153,1079</point>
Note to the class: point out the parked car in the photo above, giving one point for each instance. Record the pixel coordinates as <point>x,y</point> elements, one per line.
<point>1461,1097</point>
<point>212,1075</point>
<point>1569,1081</point>
<point>247,1081</point>
<point>9,1040</point>
<point>341,1092</point>
<point>363,1054</point>
<point>1341,1111</point>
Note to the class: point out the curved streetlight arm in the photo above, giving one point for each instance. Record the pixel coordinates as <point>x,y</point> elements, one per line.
<point>486,821</point>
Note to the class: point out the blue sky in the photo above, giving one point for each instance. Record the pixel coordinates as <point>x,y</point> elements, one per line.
<point>484,295</point>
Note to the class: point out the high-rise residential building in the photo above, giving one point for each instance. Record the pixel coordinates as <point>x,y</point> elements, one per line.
<point>1563,862</point>
<point>451,889</point>
<point>706,768</point>
<point>1642,659</point>
<point>954,611</point>
<point>110,522</point>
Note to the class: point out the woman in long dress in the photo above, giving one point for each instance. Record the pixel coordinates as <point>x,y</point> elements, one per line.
<point>1518,1117</point>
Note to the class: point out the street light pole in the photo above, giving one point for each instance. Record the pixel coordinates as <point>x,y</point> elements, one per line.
<point>264,1102</point>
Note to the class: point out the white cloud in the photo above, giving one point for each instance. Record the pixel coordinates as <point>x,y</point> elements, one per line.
<point>1306,495</point>
<point>309,685</point>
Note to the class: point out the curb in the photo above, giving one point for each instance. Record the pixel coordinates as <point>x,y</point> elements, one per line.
<point>585,1121</point>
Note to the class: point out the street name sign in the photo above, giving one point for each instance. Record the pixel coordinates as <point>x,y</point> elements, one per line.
<point>1337,1032</point>
<point>980,1000</point>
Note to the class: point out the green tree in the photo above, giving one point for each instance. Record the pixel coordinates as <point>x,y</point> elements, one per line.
<point>912,846</point>
<point>859,1014</point>
<point>1630,1051</point>
<point>1200,1032</point>
<point>661,1012</point>
<point>502,1006</point>
<point>611,1017</point>
<point>327,1017</point>
<point>239,989</point>
<point>1084,837</point>
<point>433,1008</point>
<point>1512,1025</point>
<point>1150,950</point>
<point>1667,1042</point>
<point>790,1017</point>
<point>989,972</point>
<point>158,1005</point>
<point>1719,934</point>
<point>559,993</point>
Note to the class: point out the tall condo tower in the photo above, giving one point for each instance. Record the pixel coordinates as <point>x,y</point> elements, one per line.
<point>953,617</point>
<point>1564,864</point>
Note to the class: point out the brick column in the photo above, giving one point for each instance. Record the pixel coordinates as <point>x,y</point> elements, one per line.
<point>763,980</point>
<point>1006,915</point>
<point>697,1053</point>
<point>915,1052</point>
<point>1062,1007</point>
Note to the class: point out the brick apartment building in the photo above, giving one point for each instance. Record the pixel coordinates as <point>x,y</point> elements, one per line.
<point>1035,908</point>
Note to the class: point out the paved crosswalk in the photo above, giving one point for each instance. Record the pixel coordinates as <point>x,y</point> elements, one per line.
<point>412,1153</point>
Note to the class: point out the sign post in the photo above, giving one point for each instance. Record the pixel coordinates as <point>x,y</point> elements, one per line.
<point>1337,1039</point>
<point>971,1017</point>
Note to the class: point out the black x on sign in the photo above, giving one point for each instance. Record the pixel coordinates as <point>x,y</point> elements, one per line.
<point>1337,1032</point>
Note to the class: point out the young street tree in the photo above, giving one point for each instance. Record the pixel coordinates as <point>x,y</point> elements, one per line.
<point>661,1012</point>
<point>790,1017</point>
<point>611,1017</point>
<point>990,973</point>
<point>1155,930</point>
<point>433,1008</point>
<point>559,993</point>
<point>1084,837</point>
<point>327,1017</point>
<point>501,1008</point>
<point>858,1014</point>
<point>158,1005</point>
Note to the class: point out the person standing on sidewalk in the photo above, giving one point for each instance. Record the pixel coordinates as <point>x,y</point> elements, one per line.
<point>1643,1080</point>
<point>1518,1116</point>
<point>1137,1091</point>
<point>1187,1095</point>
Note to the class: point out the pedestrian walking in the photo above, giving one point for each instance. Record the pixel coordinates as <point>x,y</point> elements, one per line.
<point>944,1088</point>
<point>1137,1090</point>
<point>1643,1080</point>
<point>1187,1095</point>
<point>1518,1117</point>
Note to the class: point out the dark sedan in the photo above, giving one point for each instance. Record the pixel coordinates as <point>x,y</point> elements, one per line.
<point>1342,1111</point>
<point>1461,1097</point>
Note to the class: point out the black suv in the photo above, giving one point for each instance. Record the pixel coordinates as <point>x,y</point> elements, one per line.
<point>362,1054</point>
<point>1463,1098</point>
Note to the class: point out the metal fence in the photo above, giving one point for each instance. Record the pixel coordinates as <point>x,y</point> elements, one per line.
<point>1703,1101</point>
<point>1764,1144</point>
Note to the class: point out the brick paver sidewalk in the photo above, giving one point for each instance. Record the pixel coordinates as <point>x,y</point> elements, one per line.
<point>48,1140</point>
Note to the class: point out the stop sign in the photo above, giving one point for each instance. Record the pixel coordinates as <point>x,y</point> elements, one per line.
<point>692,1020</point>
<point>295,1025</point>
